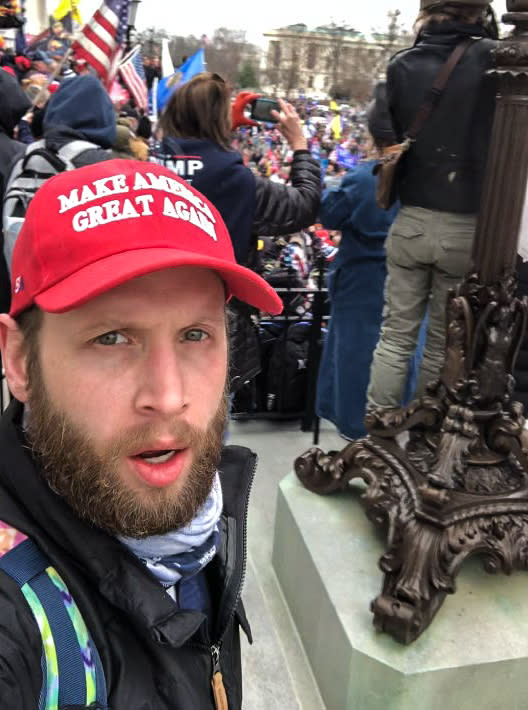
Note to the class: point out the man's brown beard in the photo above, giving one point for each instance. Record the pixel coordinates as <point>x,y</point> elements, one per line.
<point>89,482</point>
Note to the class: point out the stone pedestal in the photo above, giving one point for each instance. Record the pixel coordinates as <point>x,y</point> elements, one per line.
<point>474,656</point>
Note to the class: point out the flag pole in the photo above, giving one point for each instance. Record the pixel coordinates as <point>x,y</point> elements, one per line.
<point>204,43</point>
<point>154,90</point>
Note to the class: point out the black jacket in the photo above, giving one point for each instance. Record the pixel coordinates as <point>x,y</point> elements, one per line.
<point>221,176</point>
<point>14,104</point>
<point>444,169</point>
<point>154,655</point>
<point>284,209</point>
<point>250,206</point>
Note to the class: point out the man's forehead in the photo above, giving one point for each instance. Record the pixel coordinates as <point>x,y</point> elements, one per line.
<point>176,279</point>
<point>187,290</point>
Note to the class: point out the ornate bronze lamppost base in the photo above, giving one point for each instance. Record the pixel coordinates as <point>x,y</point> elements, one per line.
<point>458,486</point>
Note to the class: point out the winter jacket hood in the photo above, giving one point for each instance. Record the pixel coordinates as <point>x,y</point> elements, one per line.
<point>81,103</point>
<point>14,103</point>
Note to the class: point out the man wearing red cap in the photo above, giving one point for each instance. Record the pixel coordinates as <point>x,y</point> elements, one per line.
<point>115,351</point>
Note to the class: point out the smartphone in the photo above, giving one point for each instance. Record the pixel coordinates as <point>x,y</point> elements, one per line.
<point>261,110</point>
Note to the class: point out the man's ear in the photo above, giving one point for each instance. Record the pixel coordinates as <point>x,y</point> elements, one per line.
<point>14,358</point>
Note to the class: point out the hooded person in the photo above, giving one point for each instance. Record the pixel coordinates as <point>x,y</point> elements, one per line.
<point>197,125</point>
<point>81,110</point>
<point>15,104</point>
<point>121,147</point>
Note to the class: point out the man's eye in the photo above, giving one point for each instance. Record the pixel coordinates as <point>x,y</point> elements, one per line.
<point>196,335</point>
<point>111,338</point>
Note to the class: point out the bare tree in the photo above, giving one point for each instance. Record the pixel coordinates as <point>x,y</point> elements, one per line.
<point>225,53</point>
<point>364,64</point>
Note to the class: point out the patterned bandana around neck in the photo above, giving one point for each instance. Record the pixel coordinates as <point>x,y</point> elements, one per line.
<point>184,552</point>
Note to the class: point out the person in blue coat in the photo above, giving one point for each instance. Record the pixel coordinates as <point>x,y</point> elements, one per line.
<point>355,283</point>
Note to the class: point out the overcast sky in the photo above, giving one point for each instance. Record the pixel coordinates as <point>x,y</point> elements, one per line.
<point>205,16</point>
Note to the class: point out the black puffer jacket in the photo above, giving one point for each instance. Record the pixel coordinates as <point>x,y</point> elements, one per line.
<point>283,209</point>
<point>154,655</point>
<point>444,168</point>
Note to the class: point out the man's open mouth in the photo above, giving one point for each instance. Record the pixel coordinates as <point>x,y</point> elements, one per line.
<point>157,456</point>
<point>160,465</point>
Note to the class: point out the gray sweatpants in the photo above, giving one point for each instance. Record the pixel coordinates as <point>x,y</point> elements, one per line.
<point>428,253</point>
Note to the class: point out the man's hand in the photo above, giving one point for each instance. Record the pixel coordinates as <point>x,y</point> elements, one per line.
<point>289,124</point>
<point>237,109</point>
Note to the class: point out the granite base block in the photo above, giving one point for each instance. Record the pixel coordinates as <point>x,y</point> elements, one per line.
<point>474,654</point>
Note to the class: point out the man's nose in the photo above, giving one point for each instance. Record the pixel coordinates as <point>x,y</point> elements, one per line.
<point>161,388</point>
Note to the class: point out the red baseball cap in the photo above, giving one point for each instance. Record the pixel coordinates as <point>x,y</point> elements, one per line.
<point>89,230</point>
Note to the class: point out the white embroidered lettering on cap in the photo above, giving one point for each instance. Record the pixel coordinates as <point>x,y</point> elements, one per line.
<point>104,187</point>
<point>188,207</point>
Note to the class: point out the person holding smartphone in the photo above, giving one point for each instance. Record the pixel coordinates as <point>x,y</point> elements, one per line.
<point>197,128</point>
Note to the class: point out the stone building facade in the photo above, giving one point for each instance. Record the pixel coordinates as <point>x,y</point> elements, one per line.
<point>328,61</point>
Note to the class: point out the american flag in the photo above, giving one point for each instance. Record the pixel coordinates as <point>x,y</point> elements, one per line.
<point>133,74</point>
<point>102,37</point>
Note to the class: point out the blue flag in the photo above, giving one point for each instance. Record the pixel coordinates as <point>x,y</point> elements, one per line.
<point>194,65</point>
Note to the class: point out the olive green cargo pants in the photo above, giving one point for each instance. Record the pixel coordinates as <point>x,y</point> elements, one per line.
<point>428,253</point>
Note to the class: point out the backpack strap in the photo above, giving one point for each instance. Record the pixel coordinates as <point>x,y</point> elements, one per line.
<point>72,150</point>
<point>34,167</point>
<point>72,672</point>
<point>49,158</point>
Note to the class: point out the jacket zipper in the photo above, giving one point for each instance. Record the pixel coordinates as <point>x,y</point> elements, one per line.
<point>217,682</point>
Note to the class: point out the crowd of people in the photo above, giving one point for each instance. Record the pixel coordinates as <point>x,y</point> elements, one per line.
<point>344,140</point>
<point>123,237</point>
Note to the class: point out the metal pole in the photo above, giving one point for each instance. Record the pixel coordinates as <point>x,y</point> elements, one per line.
<point>314,352</point>
<point>503,196</point>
